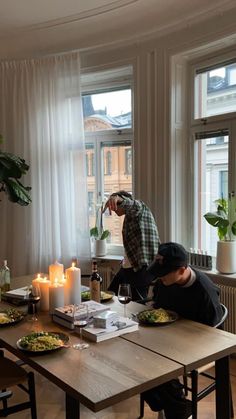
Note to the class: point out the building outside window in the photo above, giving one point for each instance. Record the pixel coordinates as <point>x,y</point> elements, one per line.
<point>108,163</point>
<point>128,161</point>
<point>213,131</point>
<point>223,183</point>
<point>90,163</point>
<point>107,111</point>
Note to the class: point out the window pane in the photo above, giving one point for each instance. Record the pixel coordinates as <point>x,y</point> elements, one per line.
<point>212,184</point>
<point>214,91</point>
<point>108,110</point>
<point>91,186</point>
<point>116,178</point>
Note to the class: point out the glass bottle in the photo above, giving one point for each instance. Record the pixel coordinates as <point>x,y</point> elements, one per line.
<point>95,282</point>
<point>5,277</point>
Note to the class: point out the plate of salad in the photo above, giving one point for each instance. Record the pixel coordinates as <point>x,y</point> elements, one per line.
<point>42,342</point>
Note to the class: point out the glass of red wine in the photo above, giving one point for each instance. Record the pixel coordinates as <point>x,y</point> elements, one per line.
<point>124,295</point>
<point>33,299</point>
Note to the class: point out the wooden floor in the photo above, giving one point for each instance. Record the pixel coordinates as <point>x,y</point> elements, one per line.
<point>50,403</point>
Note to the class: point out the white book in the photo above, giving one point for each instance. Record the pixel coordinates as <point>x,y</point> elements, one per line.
<point>63,322</point>
<point>21,293</point>
<point>121,327</point>
<point>93,308</point>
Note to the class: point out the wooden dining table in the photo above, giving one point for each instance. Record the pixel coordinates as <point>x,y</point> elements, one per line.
<point>98,377</point>
<point>114,370</point>
<point>192,345</point>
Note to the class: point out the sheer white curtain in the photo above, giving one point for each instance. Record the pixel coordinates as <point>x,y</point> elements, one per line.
<point>41,121</point>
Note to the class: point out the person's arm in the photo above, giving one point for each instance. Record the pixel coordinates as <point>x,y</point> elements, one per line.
<point>112,203</point>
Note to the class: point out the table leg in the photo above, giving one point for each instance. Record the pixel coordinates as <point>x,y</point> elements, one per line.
<point>222,388</point>
<point>72,407</point>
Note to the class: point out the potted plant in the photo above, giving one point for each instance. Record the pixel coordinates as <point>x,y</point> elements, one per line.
<point>11,170</point>
<point>99,233</point>
<point>224,219</point>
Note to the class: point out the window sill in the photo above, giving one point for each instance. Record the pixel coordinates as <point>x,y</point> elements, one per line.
<point>110,257</point>
<point>220,278</point>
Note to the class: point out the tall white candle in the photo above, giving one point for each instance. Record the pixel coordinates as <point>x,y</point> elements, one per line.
<point>35,282</point>
<point>56,270</point>
<point>44,291</point>
<point>56,296</point>
<point>73,285</point>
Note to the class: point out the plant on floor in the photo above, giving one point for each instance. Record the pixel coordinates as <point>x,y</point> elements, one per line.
<point>11,170</point>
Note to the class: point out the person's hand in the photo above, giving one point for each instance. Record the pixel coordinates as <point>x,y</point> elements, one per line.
<point>112,203</point>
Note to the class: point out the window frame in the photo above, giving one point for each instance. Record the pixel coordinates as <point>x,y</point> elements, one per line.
<point>92,83</point>
<point>200,125</point>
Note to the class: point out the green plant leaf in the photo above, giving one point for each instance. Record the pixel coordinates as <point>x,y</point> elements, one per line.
<point>222,232</point>
<point>214,219</point>
<point>11,170</point>
<point>94,232</point>
<point>17,192</point>
<point>233,228</point>
<point>13,166</point>
<point>105,234</point>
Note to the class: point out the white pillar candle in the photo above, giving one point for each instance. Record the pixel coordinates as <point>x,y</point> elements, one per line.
<point>73,285</point>
<point>44,291</point>
<point>56,296</point>
<point>66,291</point>
<point>56,270</point>
<point>35,282</point>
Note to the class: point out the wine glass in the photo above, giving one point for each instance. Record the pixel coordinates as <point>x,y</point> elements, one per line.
<point>33,298</point>
<point>124,295</point>
<point>81,322</point>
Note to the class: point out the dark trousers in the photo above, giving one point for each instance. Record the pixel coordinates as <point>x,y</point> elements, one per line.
<point>139,282</point>
<point>170,397</point>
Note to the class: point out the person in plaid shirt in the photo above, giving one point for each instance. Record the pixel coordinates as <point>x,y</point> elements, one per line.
<point>140,240</point>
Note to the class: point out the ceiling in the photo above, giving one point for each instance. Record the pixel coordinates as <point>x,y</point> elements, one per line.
<point>32,27</point>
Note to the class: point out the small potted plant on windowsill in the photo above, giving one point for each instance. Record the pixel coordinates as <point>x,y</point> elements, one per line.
<point>224,219</point>
<point>99,233</point>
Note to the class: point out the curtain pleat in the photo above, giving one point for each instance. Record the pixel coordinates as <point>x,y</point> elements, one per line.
<point>41,121</point>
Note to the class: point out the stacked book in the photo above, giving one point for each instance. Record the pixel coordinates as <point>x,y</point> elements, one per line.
<point>118,327</point>
<point>64,315</point>
<point>17,296</point>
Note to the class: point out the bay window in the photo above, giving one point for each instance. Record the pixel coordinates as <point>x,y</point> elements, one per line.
<point>213,134</point>
<point>107,112</point>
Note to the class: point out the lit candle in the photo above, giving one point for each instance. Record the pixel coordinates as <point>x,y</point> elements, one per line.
<point>35,282</point>
<point>56,270</point>
<point>56,296</point>
<point>73,285</point>
<point>44,291</point>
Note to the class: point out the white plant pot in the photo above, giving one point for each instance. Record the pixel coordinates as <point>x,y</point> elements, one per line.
<point>100,247</point>
<point>226,257</point>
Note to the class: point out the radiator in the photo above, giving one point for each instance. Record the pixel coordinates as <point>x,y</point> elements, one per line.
<point>228,298</point>
<point>106,272</point>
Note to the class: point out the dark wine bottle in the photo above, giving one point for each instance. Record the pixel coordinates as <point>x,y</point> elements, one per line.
<point>95,283</point>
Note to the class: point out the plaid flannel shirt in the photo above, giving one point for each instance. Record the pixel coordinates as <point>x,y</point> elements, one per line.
<point>140,233</point>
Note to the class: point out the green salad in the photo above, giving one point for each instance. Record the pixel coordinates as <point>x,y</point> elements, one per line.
<point>41,341</point>
<point>10,315</point>
<point>104,295</point>
<point>155,316</point>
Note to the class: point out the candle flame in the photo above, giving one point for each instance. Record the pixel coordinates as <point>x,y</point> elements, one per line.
<point>73,265</point>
